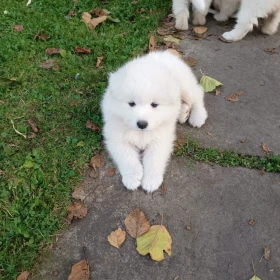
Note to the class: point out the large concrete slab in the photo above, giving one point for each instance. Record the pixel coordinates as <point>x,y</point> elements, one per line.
<point>215,202</point>
<point>240,66</point>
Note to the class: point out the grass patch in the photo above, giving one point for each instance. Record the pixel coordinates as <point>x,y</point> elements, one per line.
<point>192,150</point>
<point>38,174</point>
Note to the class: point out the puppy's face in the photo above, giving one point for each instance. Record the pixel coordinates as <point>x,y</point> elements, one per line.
<point>144,98</point>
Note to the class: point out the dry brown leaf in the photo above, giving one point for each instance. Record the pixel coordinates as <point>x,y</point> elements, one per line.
<point>23,276</point>
<point>110,172</point>
<point>265,148</point>
<point>80,271</point>
<point>18,28</point>
<point>266,254</point>
<point>210,134</point>
<point>271,50</point>
<point>50,63</point>
<point>218,92</point>
<point>76,210</point>
<point>188,227</point>
<point>94,174</point>
<point>176,277</point>
<point>33,125</point>
<point>152,44</point>
<point>71,13</point>
<point>191,61</point>
<point>164,31</point>
<point>92,126</point>
<point>180,35</point>
<point>234,96</point>
<point>79,49</point>
<point>51,51</point>
<point>200,29</point>
<point>251,222</point>
<point>136,223</point>
<point>97,161</point>
<point>179,142</point>
<point>175,52</point>
<point>98,62</point>
<point>134,2</point>
<point>79,194</point>
<point>56,67</point>
<point>98,12</point>
<point>44,37</point>
<point>91,23</point>
<point>117,237</point>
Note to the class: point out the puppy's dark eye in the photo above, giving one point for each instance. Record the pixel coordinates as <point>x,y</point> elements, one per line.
<point>154,105</point>
<point>131,104</point>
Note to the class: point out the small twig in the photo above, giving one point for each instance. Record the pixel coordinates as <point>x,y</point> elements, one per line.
<point>17,130</point>
<point>254,268</point>
<point>161,214</point>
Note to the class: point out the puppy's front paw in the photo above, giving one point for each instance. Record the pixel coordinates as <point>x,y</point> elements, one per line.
<point>133,180</point>
<point>184,113</point>
<point>230,36</point>
<point>198,117</point>
<point>220,17</point>
<point>151,182</point>
<point>198,19</point>
<point>182,20</point>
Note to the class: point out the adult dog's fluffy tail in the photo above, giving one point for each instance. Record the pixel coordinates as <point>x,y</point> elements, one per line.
<point>199,5</point>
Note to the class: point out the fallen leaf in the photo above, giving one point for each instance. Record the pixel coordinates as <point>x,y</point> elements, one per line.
<point>155,242</point>
<point>142,10</point>
<point>266,254</point>
<point>94,174</point>
<point>179,142</point>
<point>218,91</point>
<point>198,38</point>
<point>33,125</point>
<point>6,82</point>
<point>18,28</point>
<point>71,13</point>
<point>164,31</point>
<point>255,277</point>
<point>79,194</point>
<point>79,49</point>
<point>180,35</point>
<point>116,20</point>
<point>271,50</point>
<point>175,52</point>
<point>188,227</point>
<point>136,223</point>
<point>171,38</point>
<point>62,52</point>
<point>134,2</point>
<point>210,134</point>
<point>76,210</point>
<point>98,12</point>
<point>92,126</point>
<point>50,63</point>
<point>176,277</point>
<point>56,67</point>
<point>97,161</point>
<point>23,276</point>
<point>91,23</point>
<point>51,51</point>
<point>200,29</point>
<point>234,96</point>
<point>209,84</point>
<point>98,62</point>
<point>110,172</point>
<point>265,148</point>
<point>224,40</point>
<point>117,237</point>
<point>191,61</point>
<point>44,37</point>
<point>152,44</point>
<point>251,222</point>
<point>80,271</point>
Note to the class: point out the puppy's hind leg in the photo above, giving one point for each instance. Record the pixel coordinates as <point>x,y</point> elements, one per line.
<point>271,23</point>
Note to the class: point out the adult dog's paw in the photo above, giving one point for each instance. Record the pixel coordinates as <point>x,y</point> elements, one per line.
<point>133,180</point>
<point>151,182</point>
<point>182,20</point>
<point>220,17</point>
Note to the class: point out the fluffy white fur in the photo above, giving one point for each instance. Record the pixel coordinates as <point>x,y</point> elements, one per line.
<point>226,9</point>
<point>159,78</point>
<point>181,12</point>
<point>247,17</point>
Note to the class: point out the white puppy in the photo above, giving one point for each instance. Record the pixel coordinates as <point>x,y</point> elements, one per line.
<point>247,17</point>
<point>226,8</point>
<point>141,105</point>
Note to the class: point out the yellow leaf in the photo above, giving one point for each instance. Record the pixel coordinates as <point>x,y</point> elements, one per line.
<point>171,39</point>
<point>208,83</point>
<point>200,29</point>
<point>117,237</point>
<point>154,242</point>
<point>92,22</point>
<point>255,277</point>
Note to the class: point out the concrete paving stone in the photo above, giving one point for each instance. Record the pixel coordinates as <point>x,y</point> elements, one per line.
<point>215,202</point>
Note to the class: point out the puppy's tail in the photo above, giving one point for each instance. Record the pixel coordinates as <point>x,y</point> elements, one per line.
<point>199,5</point>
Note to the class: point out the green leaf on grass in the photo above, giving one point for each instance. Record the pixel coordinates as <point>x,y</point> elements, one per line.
<point>62,52</point>
<point>80,144</point>
<point>6,82</point>
<point>209,84</point>
<point>116,20</point>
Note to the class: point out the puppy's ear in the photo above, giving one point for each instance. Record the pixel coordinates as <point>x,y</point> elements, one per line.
<point>116,79</point>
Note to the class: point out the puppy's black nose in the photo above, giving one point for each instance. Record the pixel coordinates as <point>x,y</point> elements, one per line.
<point>142,124</point>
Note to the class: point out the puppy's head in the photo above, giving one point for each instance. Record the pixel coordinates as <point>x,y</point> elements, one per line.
<point>145,95</point>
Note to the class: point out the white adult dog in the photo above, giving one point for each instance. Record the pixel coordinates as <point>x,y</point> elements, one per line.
<point>141,105</point>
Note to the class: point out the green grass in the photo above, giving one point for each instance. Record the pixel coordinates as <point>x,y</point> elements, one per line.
<point>193,151</point>
<point>38,174</point>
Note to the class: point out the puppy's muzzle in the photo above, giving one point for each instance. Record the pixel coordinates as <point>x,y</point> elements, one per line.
<point>142,124</point>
